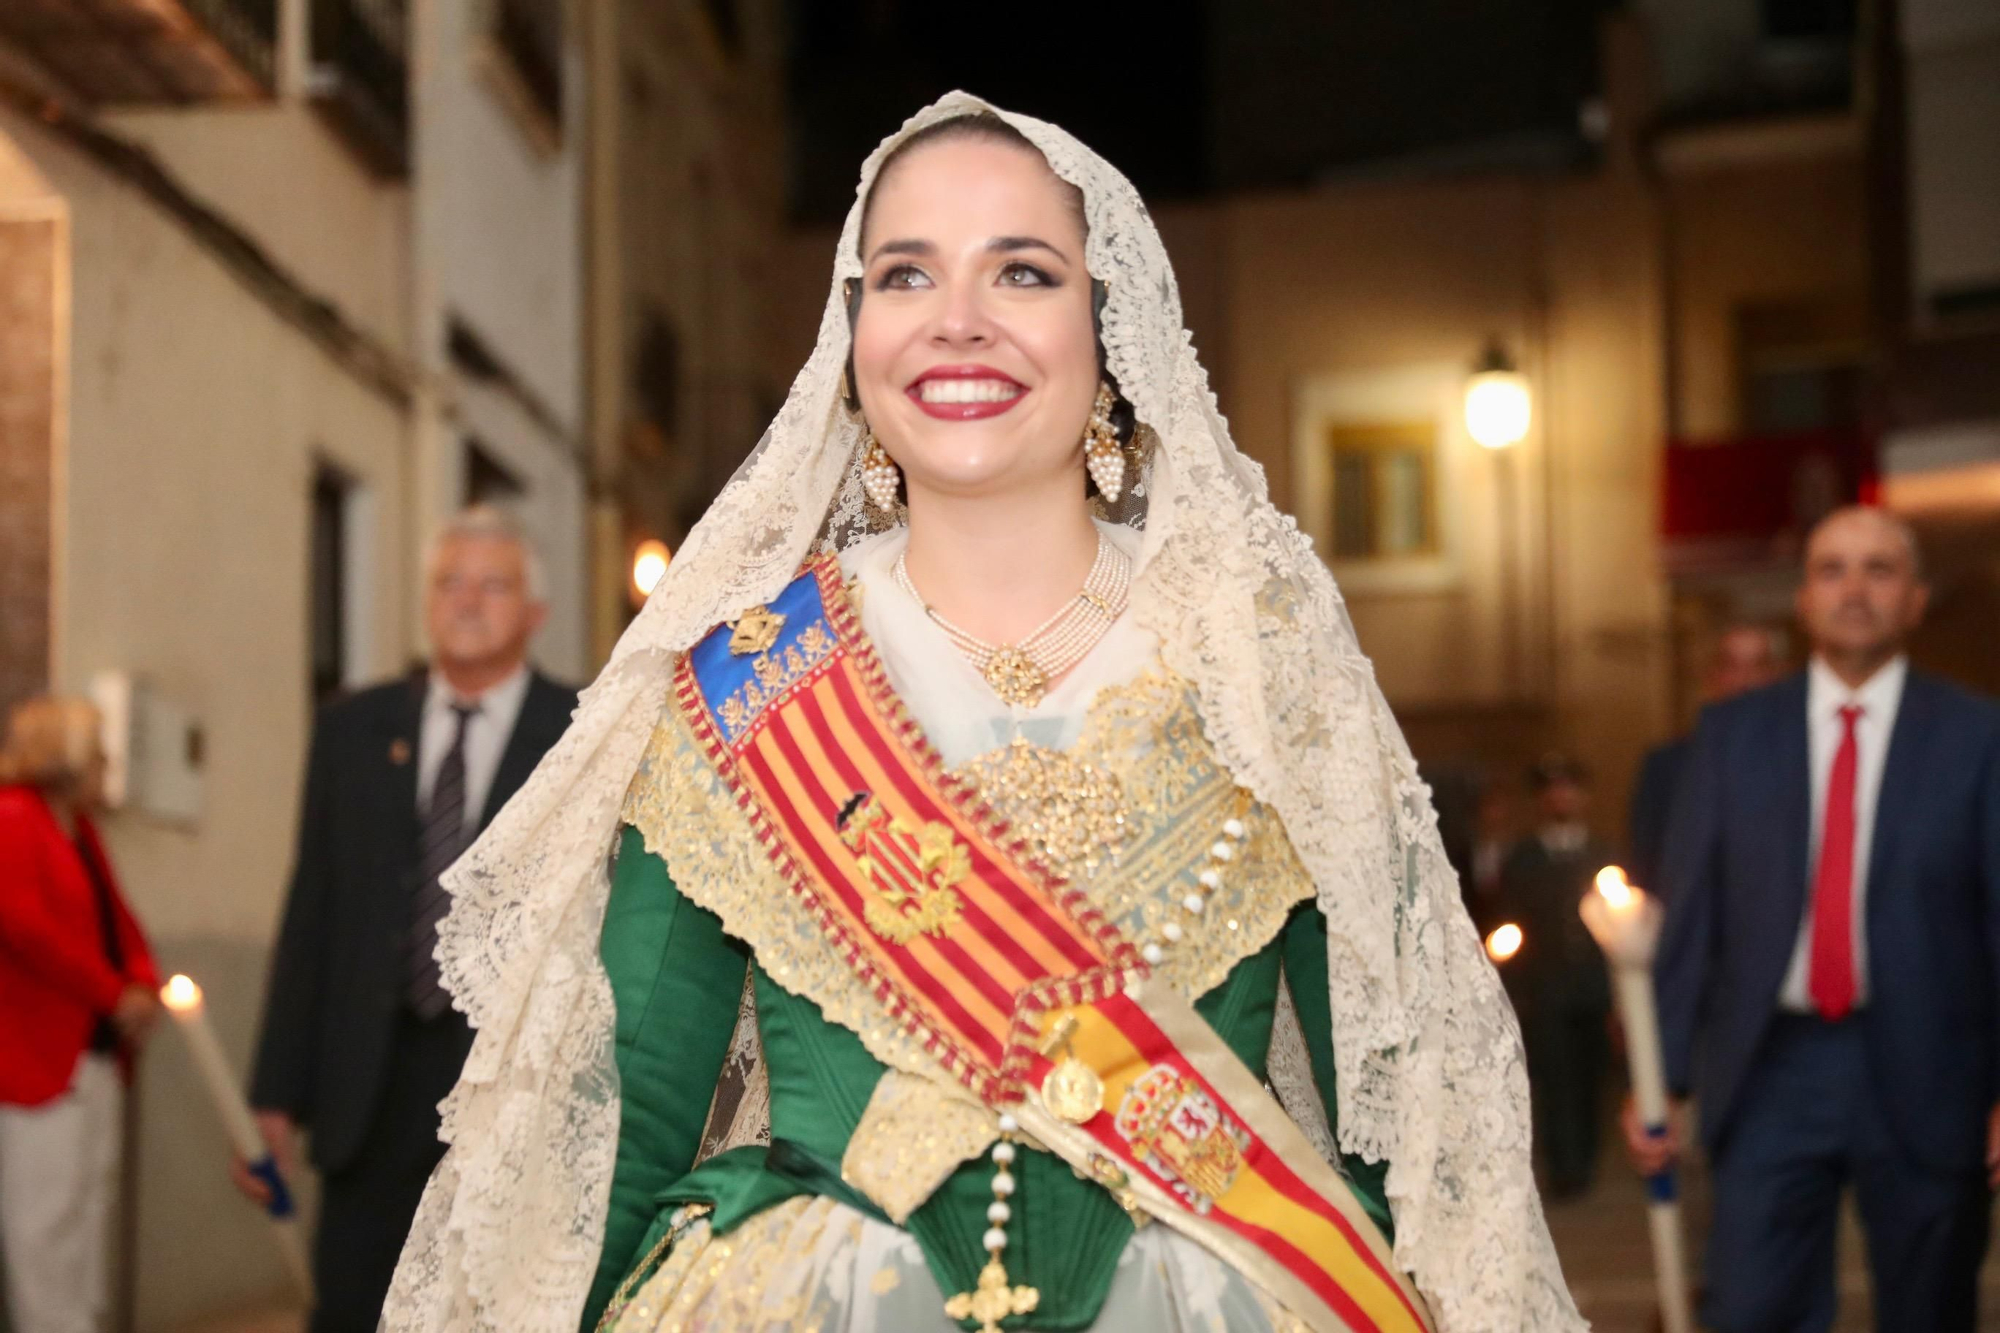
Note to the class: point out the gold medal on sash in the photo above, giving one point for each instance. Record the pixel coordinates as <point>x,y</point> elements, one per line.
<point>1072,1091</point>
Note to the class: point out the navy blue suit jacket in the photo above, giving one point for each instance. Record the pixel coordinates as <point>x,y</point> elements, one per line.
<point>1736,877</point>
<point>1652,803</point>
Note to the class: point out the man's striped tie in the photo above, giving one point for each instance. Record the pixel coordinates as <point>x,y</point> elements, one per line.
<point>442,838</point>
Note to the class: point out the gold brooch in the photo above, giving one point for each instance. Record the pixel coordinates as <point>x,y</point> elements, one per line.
<point>1016,678</point>
<point>755,631</point>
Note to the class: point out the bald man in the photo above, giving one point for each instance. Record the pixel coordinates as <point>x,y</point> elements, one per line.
<point>1829,972</point>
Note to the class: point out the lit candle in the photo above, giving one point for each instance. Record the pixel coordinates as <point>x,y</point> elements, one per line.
<point>1504,942</point>
<point>182,998</point>
<point>1626,925</point>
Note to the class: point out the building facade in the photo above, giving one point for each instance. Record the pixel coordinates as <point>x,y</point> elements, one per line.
<point>287,282</point>
<point>686,199</point>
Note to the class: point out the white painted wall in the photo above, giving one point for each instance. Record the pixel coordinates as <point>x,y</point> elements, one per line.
<point>499,224</point>
<point>281,173</point>
<point>498,243</point>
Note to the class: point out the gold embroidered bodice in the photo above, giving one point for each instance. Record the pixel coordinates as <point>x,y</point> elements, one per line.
<point>1129,813</point>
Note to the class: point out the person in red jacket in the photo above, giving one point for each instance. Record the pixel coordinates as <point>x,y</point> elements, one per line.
<point>78,994</point>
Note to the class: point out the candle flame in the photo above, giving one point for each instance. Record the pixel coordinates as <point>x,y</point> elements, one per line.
<point>1614,887</point>
<point>180,994</point>
<point>1504,942</point>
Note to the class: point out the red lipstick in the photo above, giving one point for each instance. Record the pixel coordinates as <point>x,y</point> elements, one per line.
<point>966,392</point>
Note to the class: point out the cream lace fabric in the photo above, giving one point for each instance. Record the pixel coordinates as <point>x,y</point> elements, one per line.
<point>1427,1050</point>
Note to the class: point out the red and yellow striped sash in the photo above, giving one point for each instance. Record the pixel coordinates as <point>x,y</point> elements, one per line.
<point>907,872</point>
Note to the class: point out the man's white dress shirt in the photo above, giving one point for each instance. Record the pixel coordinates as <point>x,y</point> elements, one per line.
<point>486,734</point>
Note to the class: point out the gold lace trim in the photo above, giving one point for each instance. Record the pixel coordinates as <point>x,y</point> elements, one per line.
<point>913,1135</point>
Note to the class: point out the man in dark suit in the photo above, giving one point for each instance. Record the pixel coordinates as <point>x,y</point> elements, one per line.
<point>360,1041</point>
<point>1557,980</point>
<point>1829,969</point>
<point>1746,658</point>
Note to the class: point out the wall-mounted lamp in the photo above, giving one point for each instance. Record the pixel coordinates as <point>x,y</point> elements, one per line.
<point>1497,401</point>
<point>649,565</point>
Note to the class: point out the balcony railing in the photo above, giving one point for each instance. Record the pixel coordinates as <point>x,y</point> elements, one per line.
<point>137,52</point>
<point>361,76</point>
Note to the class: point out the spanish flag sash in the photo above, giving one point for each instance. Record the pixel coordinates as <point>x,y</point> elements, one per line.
<point>1004,970</point>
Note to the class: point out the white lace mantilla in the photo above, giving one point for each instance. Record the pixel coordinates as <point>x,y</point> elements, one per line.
<point>1427,1051</point>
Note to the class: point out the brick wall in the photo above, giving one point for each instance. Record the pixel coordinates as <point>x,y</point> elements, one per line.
<point>27,420</point>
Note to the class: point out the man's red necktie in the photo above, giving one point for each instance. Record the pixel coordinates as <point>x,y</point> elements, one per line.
<point>1831,979</point>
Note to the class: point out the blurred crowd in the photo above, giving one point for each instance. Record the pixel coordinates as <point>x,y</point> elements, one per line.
<point>1826,847</point>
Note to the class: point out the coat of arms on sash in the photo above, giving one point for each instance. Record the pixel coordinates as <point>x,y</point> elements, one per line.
<point>911,874</point>
<point>1177,1130</point>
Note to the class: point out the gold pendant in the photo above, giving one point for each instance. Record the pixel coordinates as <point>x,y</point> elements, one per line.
<point>754,631</point>
<point>1072,1090</point>
<point>1015,678</point>
<point>994,1300</point>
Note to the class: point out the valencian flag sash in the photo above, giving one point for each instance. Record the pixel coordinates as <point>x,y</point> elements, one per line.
<point>1004,970</point>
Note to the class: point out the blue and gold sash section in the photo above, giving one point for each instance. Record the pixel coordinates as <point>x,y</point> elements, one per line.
<point>738,685</point>
<point>980,950</point>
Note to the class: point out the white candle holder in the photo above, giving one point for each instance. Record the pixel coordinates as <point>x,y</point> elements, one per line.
<point>1626,925</point>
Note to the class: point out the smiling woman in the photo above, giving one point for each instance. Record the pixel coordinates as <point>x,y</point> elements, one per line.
<point>1011,851</point>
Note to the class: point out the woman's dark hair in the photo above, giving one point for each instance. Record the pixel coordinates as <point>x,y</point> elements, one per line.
<point>985,125</point>
<point>973,125</point>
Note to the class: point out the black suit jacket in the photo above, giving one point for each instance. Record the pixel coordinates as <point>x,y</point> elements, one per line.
<point>1737,880</point>
<point>337,978</point>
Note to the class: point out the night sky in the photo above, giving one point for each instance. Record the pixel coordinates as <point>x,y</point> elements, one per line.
<point>1192,96</point>
<point>1134,91</point>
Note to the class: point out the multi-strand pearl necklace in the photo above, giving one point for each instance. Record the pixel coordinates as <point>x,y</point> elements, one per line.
<point>1020,673</point>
